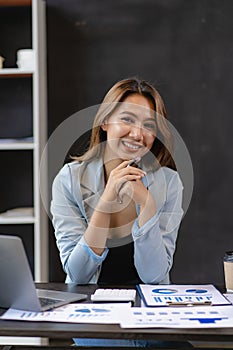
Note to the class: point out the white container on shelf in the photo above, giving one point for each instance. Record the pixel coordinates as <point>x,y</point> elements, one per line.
<point>26,59</point>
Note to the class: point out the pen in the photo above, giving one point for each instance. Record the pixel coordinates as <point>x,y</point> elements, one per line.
<point>189,303</point>
<point>134,162</point>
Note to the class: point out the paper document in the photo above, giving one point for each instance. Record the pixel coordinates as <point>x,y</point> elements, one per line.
<point>229,297</point>
<point>72,313</point>
<point>178,317</point>
<point>132,317</point>
<point>173,295</point>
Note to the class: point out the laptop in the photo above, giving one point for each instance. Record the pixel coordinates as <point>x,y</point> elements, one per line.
<point>17,288</point>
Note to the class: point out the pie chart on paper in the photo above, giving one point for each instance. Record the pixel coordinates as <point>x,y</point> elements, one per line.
<point>164,291</point>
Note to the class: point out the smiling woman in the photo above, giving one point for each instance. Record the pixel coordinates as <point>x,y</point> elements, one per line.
<point>116,223</point>
<point>123,100</point>
<point>131,128</point>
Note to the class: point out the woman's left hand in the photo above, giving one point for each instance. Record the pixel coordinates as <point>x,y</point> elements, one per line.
<point>136,191</point>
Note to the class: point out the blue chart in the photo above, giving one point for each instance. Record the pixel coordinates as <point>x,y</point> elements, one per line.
<point>196,291</point>
<point>207,320</point>
<point>164,291</point>
<point>167,295</point>
<point>91,313</point>
<point>88,311</point>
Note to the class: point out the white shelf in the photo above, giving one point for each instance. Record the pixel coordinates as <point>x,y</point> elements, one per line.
<point>17,220</point>
<point>19,215</point>
<point>16,146</point>
<point>15,71</point>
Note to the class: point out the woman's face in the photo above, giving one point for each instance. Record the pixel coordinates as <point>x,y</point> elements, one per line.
<point>131,129</point>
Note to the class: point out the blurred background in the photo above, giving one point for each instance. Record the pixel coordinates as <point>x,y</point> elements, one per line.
<point>185,48</point>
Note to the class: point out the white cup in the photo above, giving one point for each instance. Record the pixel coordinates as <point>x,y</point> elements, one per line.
<point>26,59</point>
<point>228,271</point>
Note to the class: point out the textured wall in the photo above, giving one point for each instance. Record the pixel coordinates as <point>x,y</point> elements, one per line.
<point>185,49</point>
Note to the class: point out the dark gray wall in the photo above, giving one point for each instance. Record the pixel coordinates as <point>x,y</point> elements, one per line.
<point>186,49</point>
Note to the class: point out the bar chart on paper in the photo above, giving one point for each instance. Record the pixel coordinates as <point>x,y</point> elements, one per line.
<point>172,295</point>
<point>178,317</point>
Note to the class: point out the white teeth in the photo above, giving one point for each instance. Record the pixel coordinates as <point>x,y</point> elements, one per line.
<point>131,146</point>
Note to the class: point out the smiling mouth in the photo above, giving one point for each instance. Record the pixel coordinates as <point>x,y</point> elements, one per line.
<point>132,146</point>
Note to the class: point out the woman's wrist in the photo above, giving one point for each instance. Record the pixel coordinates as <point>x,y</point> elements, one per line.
<point>147,211</point>
<point>108,206</point>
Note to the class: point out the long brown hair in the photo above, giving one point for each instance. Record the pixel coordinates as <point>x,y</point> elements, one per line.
<point>163,144</point>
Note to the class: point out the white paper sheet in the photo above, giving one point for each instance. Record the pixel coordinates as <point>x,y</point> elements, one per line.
<point>72,313</point>
<point>229,297</point>
<point>163,295</point>
<point>132,317</point>
<point>178,317</point>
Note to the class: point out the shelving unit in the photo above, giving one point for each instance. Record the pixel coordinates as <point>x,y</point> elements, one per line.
<point>23,135</point>
<point>23,122</point>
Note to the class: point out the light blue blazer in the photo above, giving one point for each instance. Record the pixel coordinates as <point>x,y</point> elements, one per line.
<point>76,191</point>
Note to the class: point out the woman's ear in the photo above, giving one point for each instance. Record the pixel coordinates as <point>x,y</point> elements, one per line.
<point>104,126</point>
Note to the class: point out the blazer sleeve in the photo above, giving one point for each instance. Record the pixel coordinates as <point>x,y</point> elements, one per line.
<point>155,242</point>
<point>79,262</point>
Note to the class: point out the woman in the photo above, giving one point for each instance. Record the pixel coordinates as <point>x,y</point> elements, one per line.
<point>116,223</point>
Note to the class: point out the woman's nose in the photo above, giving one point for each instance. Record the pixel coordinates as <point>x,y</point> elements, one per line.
<point>136,132</point>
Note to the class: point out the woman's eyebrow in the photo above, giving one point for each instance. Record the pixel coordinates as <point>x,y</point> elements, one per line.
<point>129,113</point>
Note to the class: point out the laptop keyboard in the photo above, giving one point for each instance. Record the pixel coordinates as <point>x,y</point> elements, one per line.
<point>48,301</point>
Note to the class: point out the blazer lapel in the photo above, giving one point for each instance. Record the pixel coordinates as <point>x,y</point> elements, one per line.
<point>92,186</point>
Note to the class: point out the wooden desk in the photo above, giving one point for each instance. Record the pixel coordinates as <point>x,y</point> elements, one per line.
<point>69,330</point>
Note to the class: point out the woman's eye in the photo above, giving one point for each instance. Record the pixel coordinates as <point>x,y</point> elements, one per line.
<point>127,120</point>
<point>150,126</point>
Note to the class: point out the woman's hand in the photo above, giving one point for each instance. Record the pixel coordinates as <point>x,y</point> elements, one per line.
<point>136,191</point>
<point>141,196</point>
<point>118,178</point>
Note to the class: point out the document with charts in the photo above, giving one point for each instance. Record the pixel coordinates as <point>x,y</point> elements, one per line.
<point>177,317</point>
<point>181,295</point>
<point>72,313</point>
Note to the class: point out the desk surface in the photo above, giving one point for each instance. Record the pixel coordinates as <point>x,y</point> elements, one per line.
<point>71,330</point>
